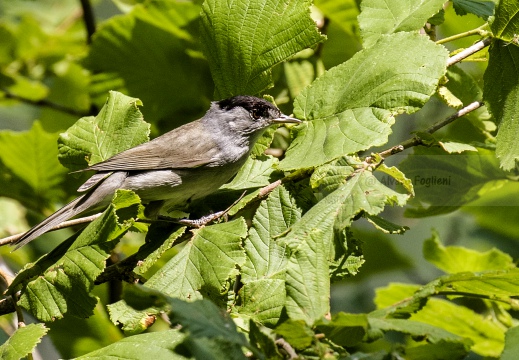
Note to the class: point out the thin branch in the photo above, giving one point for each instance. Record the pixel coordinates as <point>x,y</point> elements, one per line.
<point>45,103</point>
<point>287,347</point>
<point>477,31</point>
<point>414,141</point>
<point>469,51</point>
<point>65,224</point>
<point>467,109</point>
<point>88,18</point>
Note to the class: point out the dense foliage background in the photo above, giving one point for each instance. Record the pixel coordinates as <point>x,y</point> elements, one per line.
<point>383,227</point>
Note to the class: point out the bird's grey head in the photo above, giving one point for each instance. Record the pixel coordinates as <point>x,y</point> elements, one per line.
<point>248,115</point>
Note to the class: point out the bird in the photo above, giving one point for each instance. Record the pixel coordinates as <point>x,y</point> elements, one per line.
<point>182,165</point>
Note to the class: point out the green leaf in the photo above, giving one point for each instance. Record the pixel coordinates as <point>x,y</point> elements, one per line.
<point>455,147</point>
<point>343,13</point>
<point>504,205</point>
<point>456,259</point>
<point>349,108</point>
<point>328,177</point>
<point>131,321</point>
<point>386,226</point>
<point>501,89</point>
<point>496,284</point>
<point>432,333</point>
<point>22,342</point>
<point>264,339</point>
<point>393,293</point>
<point>256,172</point>
<point>511,351</point>
<point>300,72</point>
<point>26,88</point>
<point>68,334</point>
<point>266,258</point>
<point>154,345</point>
<point>505,26</point>
<point>242,43</point>
<point>438,18</point>
<point>344,329</point>
<point>400,300</point>
<point>211,332</point>
<point>70,86</point>
<point>387,17</point>
<point>205,263</point>
<point>31,157</point>
<point>480,8</point>
<point>397,175</point>
<point>441,350</point>
<point>174,82</point>
<point>296,332</point>
<point>461,86</point>
<point>263,300</point>
<point>151,251</point>
<point>310,241</point>
<point>60,282</point>
<point>118,127</point>
<point>487,335</point>
<point>203,266</point>
<point>448,181</point>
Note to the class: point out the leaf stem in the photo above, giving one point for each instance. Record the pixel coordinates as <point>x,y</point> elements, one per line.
<point>477,31</point>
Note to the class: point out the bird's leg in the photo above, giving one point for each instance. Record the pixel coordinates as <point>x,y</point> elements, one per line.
<point>204,220</point>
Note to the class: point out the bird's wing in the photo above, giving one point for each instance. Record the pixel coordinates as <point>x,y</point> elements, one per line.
<point>177,149</point>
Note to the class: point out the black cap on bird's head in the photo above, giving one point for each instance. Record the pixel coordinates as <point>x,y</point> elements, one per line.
<point>257,108</point>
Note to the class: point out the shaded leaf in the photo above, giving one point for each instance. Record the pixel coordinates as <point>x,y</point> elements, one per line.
<point>501,94</point>
<point>60,282</point>
<point>154,345</point>
<point>242,43</point>
<point>455,259</point>
<point>416,329</point>
<point>511,350</point>
<point>480,8</point>
<point>504,25</point>
<point>344,329</point>
<point>211,333</point>
<point>22,342</point>
<point>446,182</point>
<point>310,241</point>
<point>31,157</point>
<point>152,51</point>
<point>118,127</point>
<point>296,332</point>
<point>488,336</point>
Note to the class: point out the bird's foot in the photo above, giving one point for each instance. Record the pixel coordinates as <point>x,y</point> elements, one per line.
<point>204,220</point>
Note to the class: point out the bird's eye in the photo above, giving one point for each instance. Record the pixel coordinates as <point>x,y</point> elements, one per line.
<point>256,114</point>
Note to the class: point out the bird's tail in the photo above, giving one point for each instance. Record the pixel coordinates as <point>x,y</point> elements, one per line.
<point>101,188</point>
<point>66,212</point>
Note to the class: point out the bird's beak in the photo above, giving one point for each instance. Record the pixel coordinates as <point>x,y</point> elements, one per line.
<point>282,119</point>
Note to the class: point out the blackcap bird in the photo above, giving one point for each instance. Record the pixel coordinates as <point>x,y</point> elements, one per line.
<point>185,164</point>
